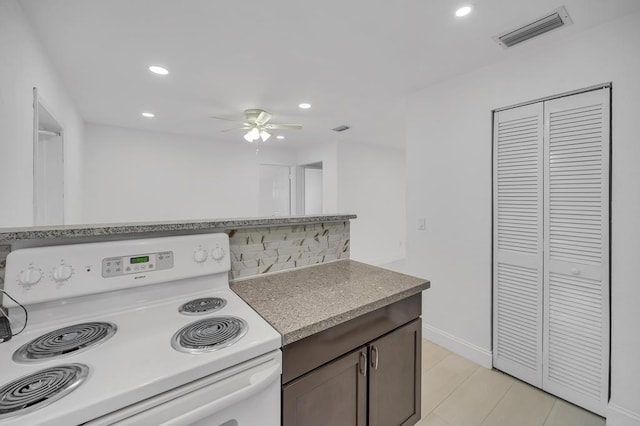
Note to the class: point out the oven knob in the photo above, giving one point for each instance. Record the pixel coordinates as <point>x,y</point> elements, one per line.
<point>30,276</point>
<point>200,255</point>
<point>62,273</point>
<point>217,254</point>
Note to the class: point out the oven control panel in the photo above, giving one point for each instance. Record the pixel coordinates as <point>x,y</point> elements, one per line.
<point>116,266</point>
<point>42,274</point>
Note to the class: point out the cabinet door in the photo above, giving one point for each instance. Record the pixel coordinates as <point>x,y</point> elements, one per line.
<point>332,395</point>
<point>395,377</point>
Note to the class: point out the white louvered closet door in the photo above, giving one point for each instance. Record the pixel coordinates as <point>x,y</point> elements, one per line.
<point>576,241</point>
<point>517,260</point>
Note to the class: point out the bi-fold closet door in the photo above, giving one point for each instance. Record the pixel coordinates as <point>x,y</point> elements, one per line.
<point>551,246</point>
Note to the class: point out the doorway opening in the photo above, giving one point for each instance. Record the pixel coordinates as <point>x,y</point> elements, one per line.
<point>48,166</point>
<point>312,189</point>
<point>308,192</point>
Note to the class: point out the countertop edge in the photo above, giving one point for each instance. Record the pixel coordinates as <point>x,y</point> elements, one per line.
<point>294,336</point>
<point>8,235</point>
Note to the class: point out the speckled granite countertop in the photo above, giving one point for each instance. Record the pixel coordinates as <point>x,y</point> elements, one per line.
<point>305,301</point>
<point>8,235</point>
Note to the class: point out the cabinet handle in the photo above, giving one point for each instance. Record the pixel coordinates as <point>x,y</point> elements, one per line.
<point>374,357</point>
<point>363,363</point>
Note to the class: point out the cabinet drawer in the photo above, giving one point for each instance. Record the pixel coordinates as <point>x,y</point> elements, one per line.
<point>304,355</point>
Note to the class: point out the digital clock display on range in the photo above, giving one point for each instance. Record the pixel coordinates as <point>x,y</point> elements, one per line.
<point>139,259</point>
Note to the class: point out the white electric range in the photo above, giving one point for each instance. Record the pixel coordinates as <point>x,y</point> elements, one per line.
<point>135,332</point>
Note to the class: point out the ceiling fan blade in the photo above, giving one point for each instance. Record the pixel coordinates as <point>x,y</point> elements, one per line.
<point>225,119</point>
<point>263,117</point>
<point>236,128</point>
<point>283,126</point>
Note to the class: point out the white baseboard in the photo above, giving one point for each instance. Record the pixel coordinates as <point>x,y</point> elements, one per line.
<point>459,346</point>
<point>619,416</point>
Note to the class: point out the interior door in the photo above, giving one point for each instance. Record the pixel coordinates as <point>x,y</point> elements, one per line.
<point>517,242</point>
<point>275,190</point>
<point>576,234</point>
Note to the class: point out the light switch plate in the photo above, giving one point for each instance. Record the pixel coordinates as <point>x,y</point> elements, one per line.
<point>422,224</point>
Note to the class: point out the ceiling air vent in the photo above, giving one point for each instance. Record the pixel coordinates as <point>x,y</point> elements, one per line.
<point>555,19</point>
<point>341,128</point>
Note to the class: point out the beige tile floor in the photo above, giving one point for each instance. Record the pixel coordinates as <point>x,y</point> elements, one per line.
<point>458,392</point>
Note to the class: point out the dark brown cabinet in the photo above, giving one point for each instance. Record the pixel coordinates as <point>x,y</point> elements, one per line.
<point>335,394</point>
<point>394,378</point>
<point>375,382</point>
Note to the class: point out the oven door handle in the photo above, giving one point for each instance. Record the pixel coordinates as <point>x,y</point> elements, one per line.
<point>257,383</point>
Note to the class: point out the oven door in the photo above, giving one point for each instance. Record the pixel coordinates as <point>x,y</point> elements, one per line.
<point>244,395</point>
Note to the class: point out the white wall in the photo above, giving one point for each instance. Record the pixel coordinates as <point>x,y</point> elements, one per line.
<point>24,65</point>
<point>449,183</point>
<point>373,185</point>
<point>369,181</point>
<point>135,175</point>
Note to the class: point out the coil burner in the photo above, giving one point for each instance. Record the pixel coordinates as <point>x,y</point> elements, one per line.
<point>34,391</point>
<point>209,334</point>
<point>202,306</point>
<point>68,340</point>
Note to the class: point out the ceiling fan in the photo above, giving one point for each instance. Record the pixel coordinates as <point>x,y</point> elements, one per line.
<point>258,126</point>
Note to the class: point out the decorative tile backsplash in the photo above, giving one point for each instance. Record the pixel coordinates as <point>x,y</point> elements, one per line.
<point>258,246</point>
<point>256,251</point>
<point>4,252</point>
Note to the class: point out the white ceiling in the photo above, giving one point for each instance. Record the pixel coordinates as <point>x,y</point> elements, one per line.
<point>353,60</point>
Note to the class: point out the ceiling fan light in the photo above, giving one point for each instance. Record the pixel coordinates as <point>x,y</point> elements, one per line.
<point>264,135</point>
<point>255,133</point>
<point>248,137</point>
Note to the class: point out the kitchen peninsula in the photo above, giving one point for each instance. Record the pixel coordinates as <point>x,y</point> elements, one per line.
<point>348,329</point>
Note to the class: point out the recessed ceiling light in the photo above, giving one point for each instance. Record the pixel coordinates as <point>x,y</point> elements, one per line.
<point>463,11</point>
<point>148,115</point>
<point>304,105</point>
<point>158,70</point>
<point>279,137</point>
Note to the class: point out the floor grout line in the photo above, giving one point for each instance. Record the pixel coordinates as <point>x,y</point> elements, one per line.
<point>437,363</point>
<point>453,390</point>
<point>498,401</point>
<point>555,401</point>
<point>433,411</point>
